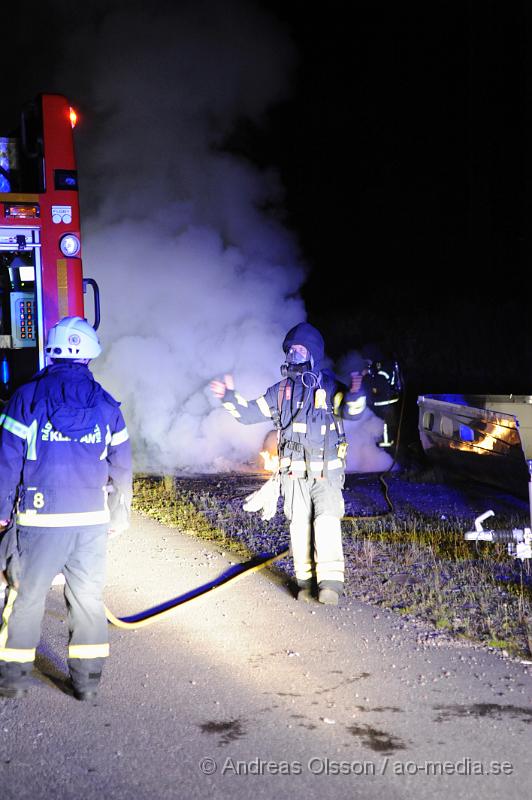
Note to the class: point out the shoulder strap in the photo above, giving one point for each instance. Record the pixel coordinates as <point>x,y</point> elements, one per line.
<point>277,411</point>
<point>280,394</point>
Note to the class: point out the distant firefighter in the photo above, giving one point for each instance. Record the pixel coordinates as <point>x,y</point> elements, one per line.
<point>65,478</point>
<point>383,387</point>
<point>307,407</point>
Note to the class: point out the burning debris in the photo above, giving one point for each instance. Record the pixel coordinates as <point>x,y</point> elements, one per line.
<point>269,453</point>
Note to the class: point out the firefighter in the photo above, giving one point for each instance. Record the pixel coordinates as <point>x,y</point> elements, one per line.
<point>65,478</point>
<point>383,387</point>
<point>307,408</point>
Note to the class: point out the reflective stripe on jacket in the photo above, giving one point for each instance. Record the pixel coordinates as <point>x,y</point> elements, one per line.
<point>63,442</point>
<point>309,420</point>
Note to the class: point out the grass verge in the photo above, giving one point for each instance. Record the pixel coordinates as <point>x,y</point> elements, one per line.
<point>418,565</point>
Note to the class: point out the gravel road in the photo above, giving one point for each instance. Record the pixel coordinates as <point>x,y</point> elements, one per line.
<point>245,692</point>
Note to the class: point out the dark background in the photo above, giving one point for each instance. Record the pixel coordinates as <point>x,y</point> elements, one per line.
<point>403,150</point>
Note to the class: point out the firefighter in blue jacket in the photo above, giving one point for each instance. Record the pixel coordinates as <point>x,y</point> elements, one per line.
<point>307,407</point>
<point>65,482</point>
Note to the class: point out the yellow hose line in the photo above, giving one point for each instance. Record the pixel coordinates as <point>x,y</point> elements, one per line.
<point>152,615</point>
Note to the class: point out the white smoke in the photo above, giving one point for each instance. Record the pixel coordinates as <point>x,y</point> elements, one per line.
<point>363,432</point>
<point>198,277</point>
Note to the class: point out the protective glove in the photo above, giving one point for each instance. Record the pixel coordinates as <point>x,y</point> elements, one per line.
<point>119,506</point>
<point>265,499</point>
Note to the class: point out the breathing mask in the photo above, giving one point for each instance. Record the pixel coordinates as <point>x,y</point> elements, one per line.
<point>298,361</point>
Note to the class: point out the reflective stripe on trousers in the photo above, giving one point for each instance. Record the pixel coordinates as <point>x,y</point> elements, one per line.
<point>315,507</point>
<point>80,554</point>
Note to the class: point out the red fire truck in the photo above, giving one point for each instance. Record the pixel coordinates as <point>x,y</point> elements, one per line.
<point>41,278</point>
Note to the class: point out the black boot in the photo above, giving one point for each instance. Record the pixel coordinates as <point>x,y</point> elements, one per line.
<point>305,591</point>
<point>329,592</point>
<point>85,695</point>
<point>14,679</point>
<point>84,682</point>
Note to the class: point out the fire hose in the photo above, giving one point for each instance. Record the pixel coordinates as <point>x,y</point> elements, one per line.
<point>166,609</point>
<point>169,607</point>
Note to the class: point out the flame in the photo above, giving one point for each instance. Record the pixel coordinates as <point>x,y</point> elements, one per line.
<point>269,453</point>
<point>486,444</point>
<point>72,116</point>
<point>271,461</point>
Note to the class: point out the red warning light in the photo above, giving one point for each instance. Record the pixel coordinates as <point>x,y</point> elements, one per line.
<point>73,117</point>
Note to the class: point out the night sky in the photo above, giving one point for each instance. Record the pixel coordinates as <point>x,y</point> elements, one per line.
<point>403,154</point>
<point>401,150</point>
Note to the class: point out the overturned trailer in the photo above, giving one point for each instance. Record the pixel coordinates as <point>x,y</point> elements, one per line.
<point>486,438</point>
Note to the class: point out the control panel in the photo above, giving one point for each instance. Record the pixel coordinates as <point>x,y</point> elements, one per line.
<point>23,322</point>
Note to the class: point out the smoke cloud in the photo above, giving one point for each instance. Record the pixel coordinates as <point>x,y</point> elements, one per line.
<point>197,274</point>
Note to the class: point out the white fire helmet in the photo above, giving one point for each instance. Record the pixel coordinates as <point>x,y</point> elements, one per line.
<point>72,337</point>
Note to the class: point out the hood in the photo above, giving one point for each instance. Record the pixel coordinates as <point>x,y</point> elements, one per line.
<point>72,398</point>
<point>309,337</point>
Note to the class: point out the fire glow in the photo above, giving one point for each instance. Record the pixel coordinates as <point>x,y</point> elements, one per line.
<point>498,434</point>
<point>271,461</point>
<point>269,453</point>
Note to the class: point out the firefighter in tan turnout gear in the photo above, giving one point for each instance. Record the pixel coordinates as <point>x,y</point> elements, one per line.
<point>65,482</point>
<point>307,407</point>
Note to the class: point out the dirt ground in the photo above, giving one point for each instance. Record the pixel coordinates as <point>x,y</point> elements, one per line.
<point>403,542</point>
<point>246,692</point>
